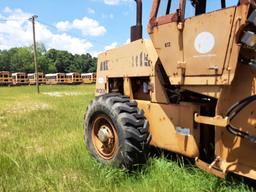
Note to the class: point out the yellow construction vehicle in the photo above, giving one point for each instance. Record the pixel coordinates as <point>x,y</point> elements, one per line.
<point>190,89</point>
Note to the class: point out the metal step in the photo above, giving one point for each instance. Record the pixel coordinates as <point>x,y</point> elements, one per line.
<point>210,168</point>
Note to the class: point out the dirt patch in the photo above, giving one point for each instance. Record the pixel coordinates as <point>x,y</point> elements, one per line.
<point>2,117</point>
<point>34,150</point>
<point>71,175</point>
<point>26,106</point>
<point>4,135</point>
<point>62,94</point>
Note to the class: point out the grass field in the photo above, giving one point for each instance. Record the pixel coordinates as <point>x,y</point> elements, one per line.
<point>42,149</point>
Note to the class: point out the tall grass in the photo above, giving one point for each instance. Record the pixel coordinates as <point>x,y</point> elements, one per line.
<point>42,149</point>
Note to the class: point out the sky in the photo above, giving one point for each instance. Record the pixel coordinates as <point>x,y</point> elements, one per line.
<point>78,26</point>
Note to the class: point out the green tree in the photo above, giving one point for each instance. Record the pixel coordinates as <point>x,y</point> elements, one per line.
<point>51,61</point>
<point>4,61</point>
<point>20,59</point>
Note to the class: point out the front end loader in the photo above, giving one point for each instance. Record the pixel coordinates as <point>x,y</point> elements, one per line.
<point>189,89</point>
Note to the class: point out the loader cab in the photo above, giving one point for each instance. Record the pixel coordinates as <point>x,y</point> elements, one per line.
<point>192,37</point>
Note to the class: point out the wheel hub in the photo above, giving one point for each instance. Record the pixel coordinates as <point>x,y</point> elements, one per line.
<point>104,134</point>
<point>104,137</point>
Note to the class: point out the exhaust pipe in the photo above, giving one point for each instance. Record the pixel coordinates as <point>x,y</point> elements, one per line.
<point>136,30</point>
<point>139,12</point>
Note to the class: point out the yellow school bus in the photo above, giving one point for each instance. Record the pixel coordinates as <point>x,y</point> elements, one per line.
<point>32,78</point>
<point>88,78</point>
<point>19,78</point>
<point>73,78</point>
<point>5,78</point>
<point>55,78</point>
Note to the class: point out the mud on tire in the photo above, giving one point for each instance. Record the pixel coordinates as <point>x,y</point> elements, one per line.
<point>116,131</point>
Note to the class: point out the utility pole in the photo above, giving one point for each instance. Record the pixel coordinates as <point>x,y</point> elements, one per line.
<point>32,19</point>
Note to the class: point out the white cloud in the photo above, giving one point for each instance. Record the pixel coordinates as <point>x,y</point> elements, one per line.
<point>95,53</point>
<point>107,16</point>
<point>111,2</point>
<point>115,2</point>
<point>90,10</point>
<point>63,25</point>
<point>127,41</point>
<point>111,46</point>
<point>86,25</point>
<point>17,32</point>
<point>7,10</point>
<point>71,44</point>
<point>62,41</point>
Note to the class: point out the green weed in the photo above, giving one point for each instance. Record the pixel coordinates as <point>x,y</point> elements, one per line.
<point>42,149</point>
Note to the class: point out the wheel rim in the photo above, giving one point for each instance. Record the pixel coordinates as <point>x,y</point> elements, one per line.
<point>104,137</point>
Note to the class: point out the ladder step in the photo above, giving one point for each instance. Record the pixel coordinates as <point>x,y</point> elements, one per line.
<point>210,169</point>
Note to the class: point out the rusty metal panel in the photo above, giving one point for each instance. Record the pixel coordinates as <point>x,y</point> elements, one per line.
<point>237,154</point>
<point>172,126</point>
<point>168,44</point>
<point>206,38</point>
<point>136,59</point>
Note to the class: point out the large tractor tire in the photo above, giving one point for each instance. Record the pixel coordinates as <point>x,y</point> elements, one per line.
<point>116,131</point>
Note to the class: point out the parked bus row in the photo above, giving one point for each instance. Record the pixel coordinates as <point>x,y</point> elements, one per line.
<point>20,78</point>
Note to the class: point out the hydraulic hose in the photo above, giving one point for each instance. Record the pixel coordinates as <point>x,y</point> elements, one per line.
<point>232,113</point>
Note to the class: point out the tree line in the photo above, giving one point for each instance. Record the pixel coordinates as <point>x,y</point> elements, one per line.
<point>52,61</point>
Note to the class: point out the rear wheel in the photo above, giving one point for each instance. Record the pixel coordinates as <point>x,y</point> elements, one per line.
<point>116,131</point>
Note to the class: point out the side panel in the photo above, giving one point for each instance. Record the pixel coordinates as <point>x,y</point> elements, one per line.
<point>206,42</point>
<point>166,122</point>
<point>182,62</point>
<point>237,154</point>
<point>136,59</point>
<point>167,40</point>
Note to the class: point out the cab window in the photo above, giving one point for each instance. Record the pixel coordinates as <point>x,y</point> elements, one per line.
<point>198,7</point>
<point>167,7</point>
